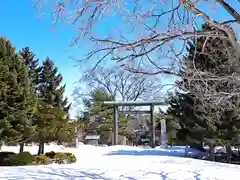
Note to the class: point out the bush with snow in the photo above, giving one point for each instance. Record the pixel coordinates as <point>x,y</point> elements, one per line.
<point>65,158</point>
<point>26,158</point>
<point>42,159</point>
<point>50,154</point>
<point>23,158</point>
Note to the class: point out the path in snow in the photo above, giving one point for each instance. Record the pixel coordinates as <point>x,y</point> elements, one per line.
<point>123,163</point>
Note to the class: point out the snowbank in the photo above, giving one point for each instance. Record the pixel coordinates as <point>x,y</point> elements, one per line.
<point>123,163</point>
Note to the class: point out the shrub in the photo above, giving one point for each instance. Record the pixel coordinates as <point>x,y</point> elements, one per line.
<point>71,158</point>
<point>23,158</point>
<point>50,154</point>
<point>59,143</point>
<point>61,158</point>
<point>42,159</point>
<point>4,158</point>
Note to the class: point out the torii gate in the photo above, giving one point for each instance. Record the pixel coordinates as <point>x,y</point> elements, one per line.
<point>151,104</point>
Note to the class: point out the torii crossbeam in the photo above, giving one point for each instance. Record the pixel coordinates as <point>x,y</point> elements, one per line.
<point>151,104</point>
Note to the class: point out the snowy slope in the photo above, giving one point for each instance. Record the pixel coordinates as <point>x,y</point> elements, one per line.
<point>123,163</point>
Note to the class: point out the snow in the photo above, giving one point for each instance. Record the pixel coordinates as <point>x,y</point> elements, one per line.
<point>122,163</point>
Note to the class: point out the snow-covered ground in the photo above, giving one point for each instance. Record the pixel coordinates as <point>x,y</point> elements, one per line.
<point>122,163</point>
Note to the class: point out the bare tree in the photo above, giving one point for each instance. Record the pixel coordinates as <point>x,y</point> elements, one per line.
<point>154,34</point>
<point>122,84</point>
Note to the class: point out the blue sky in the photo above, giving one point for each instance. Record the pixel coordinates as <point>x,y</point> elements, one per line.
<point>21,24</point>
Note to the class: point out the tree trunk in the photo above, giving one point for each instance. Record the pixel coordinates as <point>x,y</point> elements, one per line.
<point>21,147</point>
<point>41,148</point>
<point>1,144</point>
<point>211,152</point>
<point>229,152</point>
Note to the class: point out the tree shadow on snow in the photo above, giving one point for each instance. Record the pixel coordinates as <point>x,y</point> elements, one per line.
<point>147,152</point>
<point>177,151</point>
<point>70,174</point>
<point>88,174</point>
<point>55,173</point>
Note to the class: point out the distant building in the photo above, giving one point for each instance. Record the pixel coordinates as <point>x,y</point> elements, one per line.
<point>92,139</point>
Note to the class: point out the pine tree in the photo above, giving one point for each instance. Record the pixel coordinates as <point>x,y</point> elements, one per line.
<point>31,63</point>
<point>53,125</point>
<point>101,116</point>
<point>28,58</point>
<point>51,89</point>
<point>17,100</point>
<point>51,94</point>
<point>202,119</point>
<point>192,127</point>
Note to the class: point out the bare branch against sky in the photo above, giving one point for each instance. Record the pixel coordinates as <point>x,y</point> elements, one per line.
<point>123,85</point>
<point>149,34</point>
<point>152,33</point>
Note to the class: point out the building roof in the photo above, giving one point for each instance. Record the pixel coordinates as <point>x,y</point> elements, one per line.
<point>93,137</point>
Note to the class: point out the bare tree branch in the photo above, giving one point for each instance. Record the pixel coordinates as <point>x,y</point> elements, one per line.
<point>151,38</point>
<point>123,84</point>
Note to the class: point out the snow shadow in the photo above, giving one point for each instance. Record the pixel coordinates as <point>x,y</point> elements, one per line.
<point>171,151</point>
<point>145,153</point>
<point>46,173</point>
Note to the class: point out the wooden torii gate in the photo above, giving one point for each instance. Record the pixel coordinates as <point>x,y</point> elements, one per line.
<point>151,104</point>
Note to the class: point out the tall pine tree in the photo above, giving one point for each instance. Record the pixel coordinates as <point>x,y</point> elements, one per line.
<point>50,86</point>
<point>17,99</point>
<point>199,117</point>
<point>31,63</point>
<point>51,96</point>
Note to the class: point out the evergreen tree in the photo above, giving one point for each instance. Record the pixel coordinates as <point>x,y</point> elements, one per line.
<point>28,58</point>
<point>200,118</point>
<point>17,100</point>
<point>31,63</point>
<point>51,95</point>
<point>51,90</point>
<point>52,125</point>
<point>172,127</point>
<point>101,116</point>
<point>191,126</point>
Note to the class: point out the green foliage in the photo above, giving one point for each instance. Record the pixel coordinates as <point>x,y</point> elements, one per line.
<point>65,158</point>
<point>71,158</point>
<point>32,65</point>
<point>66,131</point>
<point>61,158</point>
<point>5,158</point>
<point>50,154</point>
<point>32,102</point>
<point>23,158</point>
<point>42,159</point>
<point>53,124</point>
<point>100,119</point>
<point>52,118</point>
<point>190,126</point>
<point>51,91</point>
<point>17,99</point>
<point>172,126</point>
<point>197,119</point>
